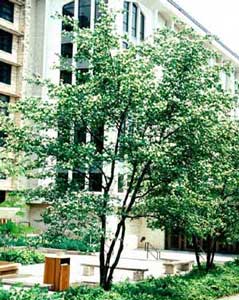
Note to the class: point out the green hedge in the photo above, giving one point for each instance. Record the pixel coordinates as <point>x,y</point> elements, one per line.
<point>220,282</point>
<point>22,256</point>
<point>62,243</point>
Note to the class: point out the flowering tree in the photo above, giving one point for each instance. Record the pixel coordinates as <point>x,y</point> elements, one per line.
<point>125,117</point>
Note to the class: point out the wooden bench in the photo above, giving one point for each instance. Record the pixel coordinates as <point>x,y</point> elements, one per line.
<point>172,267</point>
<point>138,273</point>
<point>7,268</point>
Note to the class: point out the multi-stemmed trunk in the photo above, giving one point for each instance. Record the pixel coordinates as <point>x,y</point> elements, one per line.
<point>109,262</point>
<point>210,249</point>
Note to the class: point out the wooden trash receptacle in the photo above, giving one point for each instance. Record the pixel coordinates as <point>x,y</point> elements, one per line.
<point>57,272</point>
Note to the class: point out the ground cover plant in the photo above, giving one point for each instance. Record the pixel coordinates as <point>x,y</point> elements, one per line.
<point>200,285</point>
<point>22,256</point>
<point>12,233</point>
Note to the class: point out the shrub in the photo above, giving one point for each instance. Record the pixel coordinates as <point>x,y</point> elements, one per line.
<point>23,256</point>
<point>72,244</point>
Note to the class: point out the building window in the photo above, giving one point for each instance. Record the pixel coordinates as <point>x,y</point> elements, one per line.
<point>133,13</point>
<point>5,73</point>
<point>78,178</point>
<point>126,17</point>
<point>134,20</point>
<point>95,182</point>
<point>84,13</point>
<point>68,11</point>
<point>62,179</point>
<point>2,196</point>
<point>142,26</point>
<point>7,10</point>
<point>67,50</point>
<point>66,76</point>
<point>4,101</point>
<point>5,41</point>
<point>97,137</point>
<point>80,135</point>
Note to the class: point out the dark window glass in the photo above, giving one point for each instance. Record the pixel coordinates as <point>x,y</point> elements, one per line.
<point>126,17</point>
<point>7,10</point>
<point>68,10</point>
<point>5,41</point>
<point>84,13</point>
<point>78,179</point>
<point>80,135</point>
<point>134,20</point>
<point>62,179</point>
<point>2,196</point>
<point>120,183</point>
<point>142,27</point>
<point>66,76</point>
<point>95,182</point>
<point>97,138</point>
<point>67,50</point>
<point>4,101</point>
<point>5,73</point>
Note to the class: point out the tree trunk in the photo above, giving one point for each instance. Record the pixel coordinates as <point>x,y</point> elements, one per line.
<point>211,249</point>
<point>196,250</point>
<point>106,267</point>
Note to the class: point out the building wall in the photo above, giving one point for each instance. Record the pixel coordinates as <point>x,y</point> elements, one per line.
<point>36,43</point>
<point>15,59</point>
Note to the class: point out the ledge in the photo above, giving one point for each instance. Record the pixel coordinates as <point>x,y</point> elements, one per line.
<point>10,62</point>
<point>11,30</point>
<point>18,2</point>
<point>8,93</point>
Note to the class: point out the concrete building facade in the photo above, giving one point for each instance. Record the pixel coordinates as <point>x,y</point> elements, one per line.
<point>12,48</point>
<point>37,40</point>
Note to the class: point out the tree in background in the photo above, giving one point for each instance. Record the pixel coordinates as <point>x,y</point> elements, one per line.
<point>128,118</point>
<point>203,201</point>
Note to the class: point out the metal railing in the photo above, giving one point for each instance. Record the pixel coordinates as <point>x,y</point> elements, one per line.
<point>151,250</point>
